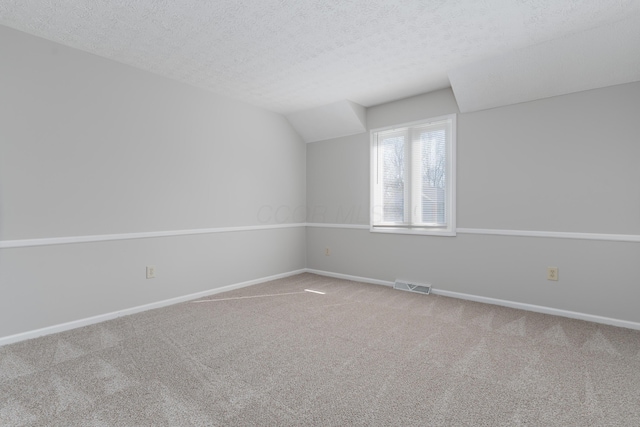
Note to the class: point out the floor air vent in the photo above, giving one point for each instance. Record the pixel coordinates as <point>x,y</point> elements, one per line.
<point>412,287</point>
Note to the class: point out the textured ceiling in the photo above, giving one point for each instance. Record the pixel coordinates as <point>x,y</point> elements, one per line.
<point>296,55</point>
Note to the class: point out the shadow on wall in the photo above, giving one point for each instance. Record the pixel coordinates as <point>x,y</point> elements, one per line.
<point>1,222</point>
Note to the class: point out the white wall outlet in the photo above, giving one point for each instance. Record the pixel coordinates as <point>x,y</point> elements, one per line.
<point>327,252</point>
<point>151,272</point>
<point>552,273</point>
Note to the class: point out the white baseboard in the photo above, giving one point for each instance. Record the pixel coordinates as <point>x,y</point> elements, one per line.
<point>495,301</point>
<point>505,303</point>
<point>108,316</point>
<point>349,277</point>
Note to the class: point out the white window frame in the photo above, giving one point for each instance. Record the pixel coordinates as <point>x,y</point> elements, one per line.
<point>450,187</point>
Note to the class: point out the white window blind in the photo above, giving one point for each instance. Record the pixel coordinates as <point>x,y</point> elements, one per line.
<point>413,175</point>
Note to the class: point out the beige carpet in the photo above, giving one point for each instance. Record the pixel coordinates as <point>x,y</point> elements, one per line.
<point>359,355</point>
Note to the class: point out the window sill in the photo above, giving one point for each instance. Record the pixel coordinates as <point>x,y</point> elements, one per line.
<point>419,232</point>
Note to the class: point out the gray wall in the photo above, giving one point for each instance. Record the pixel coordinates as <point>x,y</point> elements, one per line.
<point>563,164</point>
<point>89,146</point>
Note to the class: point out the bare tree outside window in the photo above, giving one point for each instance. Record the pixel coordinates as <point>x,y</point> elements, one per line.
<point>413,178</point>
<point>394,174</point>
<point>433,156</point>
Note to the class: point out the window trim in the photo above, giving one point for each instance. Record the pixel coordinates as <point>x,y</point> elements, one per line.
<point>450,230</point>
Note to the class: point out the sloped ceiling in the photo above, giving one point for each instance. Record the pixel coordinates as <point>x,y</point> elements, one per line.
<point>297,55</point>
<point>340,118</point>
<point>603,56</point>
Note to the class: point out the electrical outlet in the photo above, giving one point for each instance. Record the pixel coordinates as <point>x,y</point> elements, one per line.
<point>327,252</point>
<point>151,272</point>
<point>552,273</point>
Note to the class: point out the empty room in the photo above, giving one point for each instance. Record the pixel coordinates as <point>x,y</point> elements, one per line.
<point>320,212</point>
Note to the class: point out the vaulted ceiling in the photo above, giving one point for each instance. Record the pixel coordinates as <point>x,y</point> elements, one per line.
<point>292,56</point>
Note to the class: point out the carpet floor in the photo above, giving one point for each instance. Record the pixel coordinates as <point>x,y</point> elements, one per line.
<point>274,354</point>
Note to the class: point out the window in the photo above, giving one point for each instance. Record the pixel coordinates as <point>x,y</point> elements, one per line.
<point>413,177</point>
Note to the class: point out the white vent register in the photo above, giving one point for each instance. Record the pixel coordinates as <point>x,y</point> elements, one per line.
<point>412,287</point>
